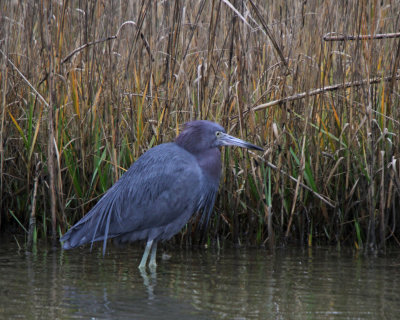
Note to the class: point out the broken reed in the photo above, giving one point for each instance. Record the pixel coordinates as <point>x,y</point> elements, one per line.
<point>86,88</point>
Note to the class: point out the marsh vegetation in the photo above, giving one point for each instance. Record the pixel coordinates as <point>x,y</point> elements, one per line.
<point>88,86</point>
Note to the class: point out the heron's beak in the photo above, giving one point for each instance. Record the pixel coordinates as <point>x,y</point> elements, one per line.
<point>227,140</point>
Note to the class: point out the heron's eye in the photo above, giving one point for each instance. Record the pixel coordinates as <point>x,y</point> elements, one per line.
<point>218,134</point>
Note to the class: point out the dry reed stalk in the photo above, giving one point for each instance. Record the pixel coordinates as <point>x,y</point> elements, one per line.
<point>323,90</point>
<point>4,76</point>
<point>330,37</point>
<point>47,44</point>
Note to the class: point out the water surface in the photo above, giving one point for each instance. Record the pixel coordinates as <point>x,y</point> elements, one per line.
<point>199,284</point>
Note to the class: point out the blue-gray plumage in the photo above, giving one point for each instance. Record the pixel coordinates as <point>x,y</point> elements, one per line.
<point>160,192</point>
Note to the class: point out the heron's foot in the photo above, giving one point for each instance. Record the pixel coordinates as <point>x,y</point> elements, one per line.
<point>152,265</point>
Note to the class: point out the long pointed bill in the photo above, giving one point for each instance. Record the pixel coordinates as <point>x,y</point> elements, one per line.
<point>228,140</point>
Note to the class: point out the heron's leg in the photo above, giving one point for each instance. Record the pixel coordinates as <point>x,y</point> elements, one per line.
<point>142,264</point>
<point>153,262</point>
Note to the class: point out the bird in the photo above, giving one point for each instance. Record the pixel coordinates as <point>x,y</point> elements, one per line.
<point>156,197</point>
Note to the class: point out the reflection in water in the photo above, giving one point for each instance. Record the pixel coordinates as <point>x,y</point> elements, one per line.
<point>199,284</point>
<point>149,283</point>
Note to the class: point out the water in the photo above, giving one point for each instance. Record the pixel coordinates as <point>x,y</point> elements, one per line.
<point>199,284</point>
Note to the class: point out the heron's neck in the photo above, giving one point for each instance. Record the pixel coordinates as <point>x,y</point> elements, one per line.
<point>210,162</point>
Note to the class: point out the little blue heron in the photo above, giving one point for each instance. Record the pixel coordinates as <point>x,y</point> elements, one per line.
<point>160,192</point>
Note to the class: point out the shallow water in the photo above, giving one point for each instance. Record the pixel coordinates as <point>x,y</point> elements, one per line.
<point>199,284</point>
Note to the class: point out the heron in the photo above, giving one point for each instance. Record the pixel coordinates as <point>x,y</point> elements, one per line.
<point>156,197</point>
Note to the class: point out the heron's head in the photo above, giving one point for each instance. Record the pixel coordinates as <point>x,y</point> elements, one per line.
<point>201,135</point>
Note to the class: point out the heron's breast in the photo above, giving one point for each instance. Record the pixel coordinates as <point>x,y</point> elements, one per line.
<point>210,164</point>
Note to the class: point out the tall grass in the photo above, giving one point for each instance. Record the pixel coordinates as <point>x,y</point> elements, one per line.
<point>89,86</point>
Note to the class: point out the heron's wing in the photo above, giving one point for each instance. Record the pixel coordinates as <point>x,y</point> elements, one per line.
<point>160,188</point>
<point>163,186</point>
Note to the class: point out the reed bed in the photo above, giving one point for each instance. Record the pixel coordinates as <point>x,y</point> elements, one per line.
<point>88,86</point>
